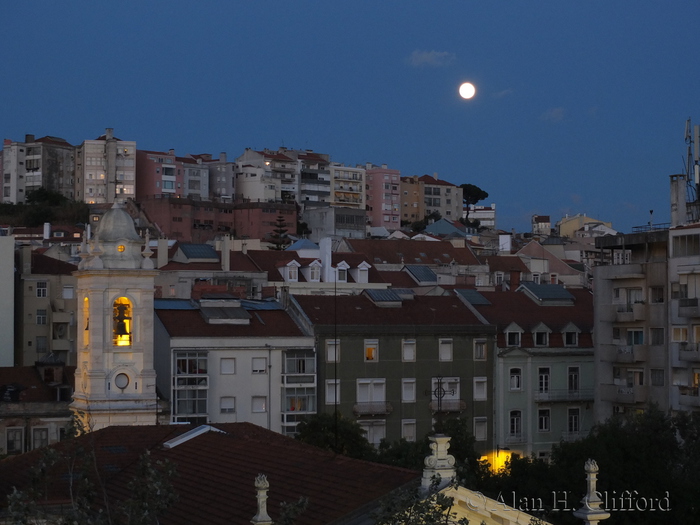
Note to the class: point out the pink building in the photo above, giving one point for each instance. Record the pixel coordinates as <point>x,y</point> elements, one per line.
<point>158,173</point>
<point>383,196</point>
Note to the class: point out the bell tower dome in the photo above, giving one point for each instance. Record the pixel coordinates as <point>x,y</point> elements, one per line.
<point>115,379</point>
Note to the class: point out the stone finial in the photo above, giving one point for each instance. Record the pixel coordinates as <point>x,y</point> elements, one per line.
<point>591,511</point>
<point>262,486</point>
<point>147,262</point>
<point>439,464</point>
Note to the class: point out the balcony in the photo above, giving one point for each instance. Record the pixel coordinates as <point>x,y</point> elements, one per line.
<point>449,405</point>
<point>375,408</point>
<point>688,352</point>
<point>299,379</point>
<point>628,313</point>
<point>632,354</point>
<point>624,394</point>
<point>688,307</point>
<point>689,396</point>
<point>564,395</point>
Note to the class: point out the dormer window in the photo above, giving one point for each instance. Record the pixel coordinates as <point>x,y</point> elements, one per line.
<point>292,273</point>
<point>342,275</point>
<point>513,338</point>
<point>314,274</point>
<point>541,338</point>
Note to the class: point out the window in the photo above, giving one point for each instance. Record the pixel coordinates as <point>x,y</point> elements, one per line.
<point>228,365</point>
<point>543,373</point>
<point>314,274</point>
<point>342,275</point>
<point>515,379</point>
<point>657,377</point>
<point>480,389</point>
<point>300,399</point>
<point>696,333</point>
<point>68,292</point>
<point>260,365</point>
<point>332,350</point>
<point>479,350</point>
<point>191,405</point>
<point>570,338</point>
<point>499,278</point>
<point>513,338</point>
<point>541,338</point>
<point>371,390</point>
<point>574,424</point>
<point>480,428</point>
<point>408,390</point>
<point>121,322</point>
<point>656,294</point>
<point>41,317</point>
<point>679,334</point>
<point>635,377</point>
<point>299,362</point>
<point>635,337</point>
<point>656,336</point>
<point>536,278</point>
<point>450,388</point>
<point>408,430</point>
<point>259,404</point>
<point>372,350</point>
<point>515,428</point>
<point>292,273</point>
<point>445,350</point>
<point>543,420</point>
<point>553,278</point>
<point>408,350</point>
<point>375,430</point>
<point>332,391</point>
<point>227,405</point>
<point>573,379</point>
<point>14,438</point>
<point>41,288</point>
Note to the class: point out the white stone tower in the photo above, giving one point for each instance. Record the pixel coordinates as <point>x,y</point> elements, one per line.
<point>115,383</point>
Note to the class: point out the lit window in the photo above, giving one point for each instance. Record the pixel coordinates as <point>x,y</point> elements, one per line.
<point>371,350</point>
<point>679,334</point>
<point>122,317</point>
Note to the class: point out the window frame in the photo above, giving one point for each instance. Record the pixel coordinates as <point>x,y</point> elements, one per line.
<point>544,420</point>
<point>515,377</point>
<point>480,350</point>
<point>227,410</point>
<point>406,345</point>
<point>445,349</point>
<point>229,360</point>
<point>257,370</point>
<point>371,350</point>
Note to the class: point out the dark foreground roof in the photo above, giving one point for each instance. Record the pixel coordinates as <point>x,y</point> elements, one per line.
<point>216,472</point>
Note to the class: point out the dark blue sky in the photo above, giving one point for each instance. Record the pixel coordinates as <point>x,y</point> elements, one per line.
<point>580,106</point>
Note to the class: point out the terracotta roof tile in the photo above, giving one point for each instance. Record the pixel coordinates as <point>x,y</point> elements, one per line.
<point>397,251</point>
<point>190,323</point>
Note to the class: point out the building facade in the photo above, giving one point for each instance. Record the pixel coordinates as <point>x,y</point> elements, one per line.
<point>383,196</point>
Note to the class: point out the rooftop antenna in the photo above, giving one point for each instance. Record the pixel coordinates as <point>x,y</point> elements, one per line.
<point>692,167</point>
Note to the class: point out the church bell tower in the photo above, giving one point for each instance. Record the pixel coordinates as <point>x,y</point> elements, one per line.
<point>115,383</point>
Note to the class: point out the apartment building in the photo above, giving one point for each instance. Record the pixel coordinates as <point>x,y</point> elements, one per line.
<point>383,196</point>
<point>105,169</point>
<point>412,199</point>
<point>47,162</point>
<point>442,197</point>
<point>347,185</point>
<point>397,362</point>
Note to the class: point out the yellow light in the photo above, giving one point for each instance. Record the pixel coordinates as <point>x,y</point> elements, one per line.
<point>121,248</point>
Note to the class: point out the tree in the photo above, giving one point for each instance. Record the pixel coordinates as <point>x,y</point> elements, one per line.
<point>411,507</point>
<point>471,194</point>
<point>279,234</point>
<point>337,433</point>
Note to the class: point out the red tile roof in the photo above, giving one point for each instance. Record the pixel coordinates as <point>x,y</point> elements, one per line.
<point>360,310</point>
<point>500,263</point>
<point>216,473</point>
<point>44,265</point>
<point>263,323</point>
<point>397,251</point>
<point>398,279</point>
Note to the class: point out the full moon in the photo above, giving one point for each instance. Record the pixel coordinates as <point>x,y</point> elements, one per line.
<point>467,90</point>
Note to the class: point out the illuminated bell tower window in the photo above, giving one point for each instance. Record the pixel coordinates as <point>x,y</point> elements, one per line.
<point>122,317</point>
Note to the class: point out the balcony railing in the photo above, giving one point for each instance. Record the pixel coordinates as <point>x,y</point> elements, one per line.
<point>627,313</point>
<point>631,353</point>
<point>372,409</point>
<point>582,394</point>
<point>449,405</point>
<point>297,379</point>
<point>688,307</point>
<point>688,352</point>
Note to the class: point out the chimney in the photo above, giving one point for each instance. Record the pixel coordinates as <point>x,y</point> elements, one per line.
<point>514,279</point>
<point>435,176</point>
<point>678,204</point>
<point>326,245</point>
<point>47,230</point>
<point>109,133</point>
<point>222,156</point>
<point>226,254</point>
<point>171,151</point>
<point>28,138</point>
<point>162,252</point>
